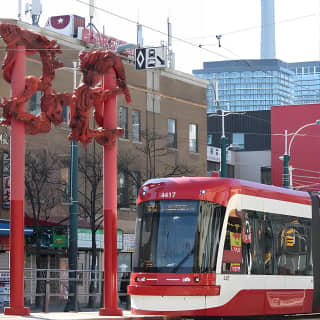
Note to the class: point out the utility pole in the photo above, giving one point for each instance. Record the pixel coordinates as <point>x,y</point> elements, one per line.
<point>35,9</point>
<point>287,171</point>
<point>19,9</point>
<point>223,140</point>
<point>72,304</point>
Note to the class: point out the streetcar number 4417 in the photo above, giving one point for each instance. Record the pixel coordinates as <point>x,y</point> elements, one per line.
<point>168,195</point>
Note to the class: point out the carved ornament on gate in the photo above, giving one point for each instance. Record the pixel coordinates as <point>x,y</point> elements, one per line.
<point>88,95</point>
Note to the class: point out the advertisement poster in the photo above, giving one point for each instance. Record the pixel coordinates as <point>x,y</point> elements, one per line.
<point>64,276</point>
<point>4,289</point>
<point>5,180</point>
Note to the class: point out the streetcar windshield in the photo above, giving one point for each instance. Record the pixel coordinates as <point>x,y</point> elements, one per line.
<point>177,236</point>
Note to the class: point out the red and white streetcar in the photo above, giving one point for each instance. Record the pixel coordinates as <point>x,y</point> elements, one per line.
<point>225,247</point>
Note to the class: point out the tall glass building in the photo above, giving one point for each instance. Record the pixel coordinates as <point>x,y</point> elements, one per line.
<point>306,80</point>
<point>247,85</point>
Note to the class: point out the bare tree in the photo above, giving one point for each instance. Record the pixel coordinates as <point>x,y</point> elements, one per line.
<point>42,195</point>
<point>154,146</point>
<point>91,205</point>
<point>154,160</point>
<point>127,170</point>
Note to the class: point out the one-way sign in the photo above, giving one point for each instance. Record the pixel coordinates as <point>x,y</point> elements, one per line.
<point>148,58</point>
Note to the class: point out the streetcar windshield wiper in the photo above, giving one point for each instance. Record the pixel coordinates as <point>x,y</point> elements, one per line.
<point>176,268</point>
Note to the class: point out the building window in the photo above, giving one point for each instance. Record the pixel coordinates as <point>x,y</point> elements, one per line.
<point>64,179</point>
<point>213,167</point>
<point>172,133</point>
<point>193,137</point>
<point>136,126</point>
<point>122,190</point>
<point>135,185</point>
<point>35,103</point>
<point>265,175</point>
<point>210,140</point>
<point>123,121</point>
<point>238,140</point>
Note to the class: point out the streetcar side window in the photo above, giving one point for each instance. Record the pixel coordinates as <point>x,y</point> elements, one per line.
<point>248,248</point>
<point>259,251</point>
<point>293,246</point>
<point>278,244</point>
<point>266,243</point>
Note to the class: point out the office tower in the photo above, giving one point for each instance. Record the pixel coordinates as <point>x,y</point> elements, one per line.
<point>247,85</point>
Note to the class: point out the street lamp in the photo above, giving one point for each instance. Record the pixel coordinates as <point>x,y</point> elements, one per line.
<point>223,141</point>
<point>286,183</point>
<point>72,304</point>
<point>223,144</point>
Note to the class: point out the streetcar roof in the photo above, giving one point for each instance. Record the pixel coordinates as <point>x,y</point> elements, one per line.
<point>214,189</point>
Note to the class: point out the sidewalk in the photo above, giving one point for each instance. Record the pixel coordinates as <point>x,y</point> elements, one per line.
<point>94,315</point>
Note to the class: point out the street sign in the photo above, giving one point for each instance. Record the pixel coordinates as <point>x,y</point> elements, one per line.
<point>149,58</point>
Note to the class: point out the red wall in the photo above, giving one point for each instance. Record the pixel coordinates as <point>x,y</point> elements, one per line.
<point>305,150</point>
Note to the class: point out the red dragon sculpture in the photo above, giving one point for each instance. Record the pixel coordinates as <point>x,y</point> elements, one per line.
<point>51,102</point>
<point>91,95</point>
<point>87,96</point>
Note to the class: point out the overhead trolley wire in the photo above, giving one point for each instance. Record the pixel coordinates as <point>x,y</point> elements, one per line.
<point>254,27</point>
<point>155,30</point>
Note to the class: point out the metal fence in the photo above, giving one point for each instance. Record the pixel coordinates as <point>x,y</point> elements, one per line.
<point>49,288</point>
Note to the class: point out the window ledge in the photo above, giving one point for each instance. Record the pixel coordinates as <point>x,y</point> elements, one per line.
<point>123,139</point>
<point>137,142</point>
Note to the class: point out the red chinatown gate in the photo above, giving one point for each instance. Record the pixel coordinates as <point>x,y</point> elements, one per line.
<point>94,65</point>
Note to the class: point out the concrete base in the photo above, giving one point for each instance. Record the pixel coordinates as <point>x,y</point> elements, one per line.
<point>113,312</point>
<point>13,311</point>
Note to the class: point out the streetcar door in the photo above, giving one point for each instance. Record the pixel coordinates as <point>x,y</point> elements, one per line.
<point>232,253</point>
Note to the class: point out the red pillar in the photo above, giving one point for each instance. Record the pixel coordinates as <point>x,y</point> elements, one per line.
<point>110,205</point>
<point>17,157</point>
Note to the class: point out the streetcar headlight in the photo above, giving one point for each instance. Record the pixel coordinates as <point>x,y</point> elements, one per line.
<point>196,279</point>
<point>186,279</point>
<point>138,279</point>
<point>202,191</point>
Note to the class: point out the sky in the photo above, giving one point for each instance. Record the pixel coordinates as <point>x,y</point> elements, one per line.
<point>197,23</point>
